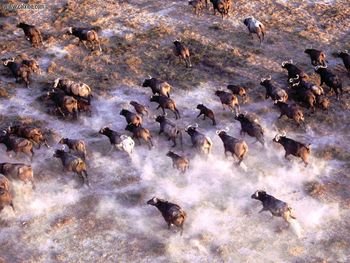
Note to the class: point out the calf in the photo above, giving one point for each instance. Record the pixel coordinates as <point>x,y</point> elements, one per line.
<point>72,88</point>
<point>120,141</point>
<point>139,108</point>
<point>276,207</point>
<point>85,35</point>
<point>238,90</point>
<point>293,147</point>
<point>228,99</point>
<point>206,112</point>
<point>172,213</point>
<point>317,57</point>
<point>276,93</point>
<point>181,51</point>
<point>32,34</point>
<point>179,162</point>
<point>73,163</point>
<point>77,146</point>
<point>330,79</point>
<point>236,147</point>
<point>158,86</point>
<point>5,194</point>
<point>252,127</point>
<point>166,103</point>
<point>64,104</point>
<point>345,56</point>
<point>293,70</point>
<point>17,144</point>
<point>31,133</point>
<point>202,143</point>
<point>131,118</point>
<point>291,111</point>
<point>171,131</point>
<point>18,171</point>
<point>255,27</point>
<point>140,133</point>
<point>18,70</point>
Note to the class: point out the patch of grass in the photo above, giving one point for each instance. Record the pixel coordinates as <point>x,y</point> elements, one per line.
<point>4,12</point>
<point>330,152</point>
<point>315,189</point>
<point>154,33</point>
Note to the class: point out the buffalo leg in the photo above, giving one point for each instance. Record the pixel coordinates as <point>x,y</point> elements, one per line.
<point>61,112</point>
<point>336,93</point>
<point>33,184</point>
<point>85,45</point>
<point>37,144</point>
<point>175,114</point>
<point>111,149</point>
<point>286,156</point>
<point>178,113</point>
<point>13,208</point>
<point>186,62</point>
<point>226,154</point>
<point>262,210</point>
<point>149,142</point>
<point>86,179</point>
<point>46,144</point>
<point>99,45</point>
<point>31,154</point>
<point>305,161</point>
<point>92,45</point>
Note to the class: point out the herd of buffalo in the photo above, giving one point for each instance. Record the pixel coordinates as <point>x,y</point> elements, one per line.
<point>68,99</point>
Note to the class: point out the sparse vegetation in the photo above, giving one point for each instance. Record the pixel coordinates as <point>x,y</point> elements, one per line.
<point>107,222</point>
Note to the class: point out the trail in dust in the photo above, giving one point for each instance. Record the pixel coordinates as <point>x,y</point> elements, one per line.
<point>215,193</point>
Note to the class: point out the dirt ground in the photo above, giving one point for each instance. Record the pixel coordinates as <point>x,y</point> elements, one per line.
<point>136,39</point>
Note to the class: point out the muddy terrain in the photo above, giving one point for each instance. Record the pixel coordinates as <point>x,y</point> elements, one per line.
<point>62,221</point>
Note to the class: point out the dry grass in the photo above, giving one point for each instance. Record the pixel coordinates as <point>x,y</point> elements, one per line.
<point>138,42</point>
